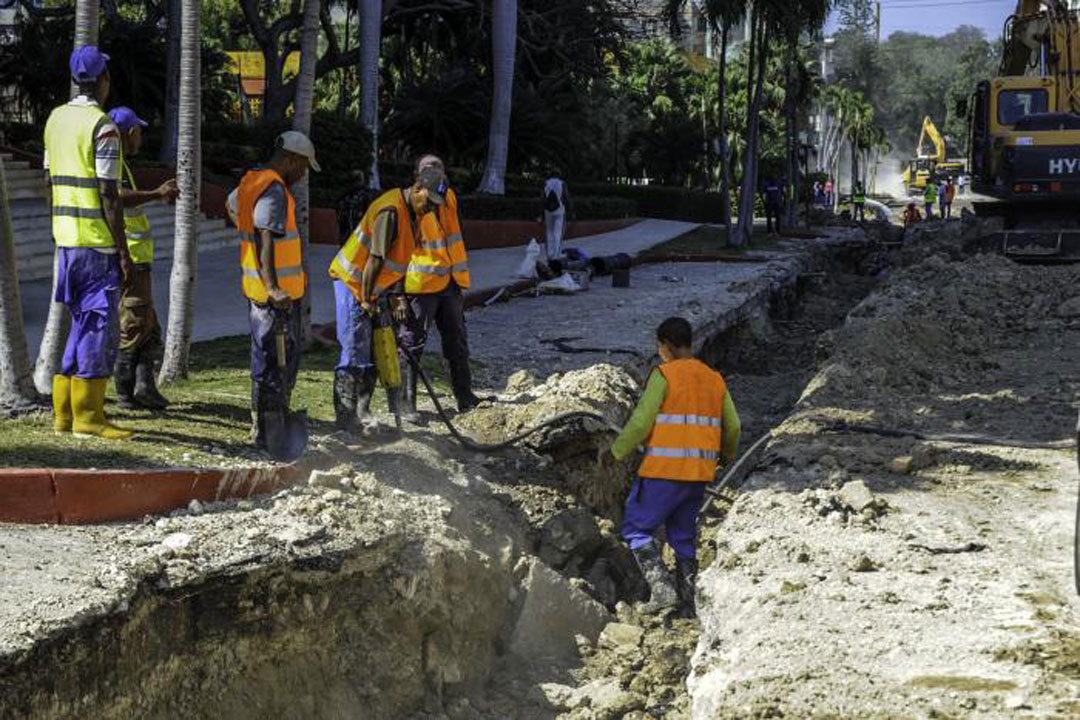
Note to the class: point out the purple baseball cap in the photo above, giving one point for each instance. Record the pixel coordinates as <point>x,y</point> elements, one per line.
<point>125,118</point>
<point>87,63</point>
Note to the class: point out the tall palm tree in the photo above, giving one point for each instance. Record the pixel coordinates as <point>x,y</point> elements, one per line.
<point>370,40</point>
<point>761,26</point>
<point>16,382</point>
<point>59,322</point>
<point>503,48</point>
<point>189,179</point>
<point>302,107</point>
<point>721,15</point>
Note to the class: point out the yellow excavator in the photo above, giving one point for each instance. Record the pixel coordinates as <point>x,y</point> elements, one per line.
<point>1024,137</point>
<point>929,164</point>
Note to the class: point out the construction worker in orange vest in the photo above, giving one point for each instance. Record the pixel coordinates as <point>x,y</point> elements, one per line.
<point>437,275</point>
<point>687,422</point>
<point>372,264</point>
<point>273,277</point>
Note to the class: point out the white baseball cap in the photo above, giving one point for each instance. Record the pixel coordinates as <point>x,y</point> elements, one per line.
<point>297,142</point>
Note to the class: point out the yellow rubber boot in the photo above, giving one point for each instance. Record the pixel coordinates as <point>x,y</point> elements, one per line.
<point>88,404</point>
<point>61,402</point>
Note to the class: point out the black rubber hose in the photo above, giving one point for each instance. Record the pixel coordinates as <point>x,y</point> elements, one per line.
<point>470,444</point>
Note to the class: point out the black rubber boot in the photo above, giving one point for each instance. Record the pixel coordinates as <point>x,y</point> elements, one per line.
<point>365,387</point>
<point>461,382</point>
<point>662,595</point>
<point>124,379</point>
<point>685,584</point>
<point>146,392</point>
<point>407,393</point>
<point>345,396</point>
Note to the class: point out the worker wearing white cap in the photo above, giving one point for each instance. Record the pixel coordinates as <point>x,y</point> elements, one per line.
<point>273,277</point>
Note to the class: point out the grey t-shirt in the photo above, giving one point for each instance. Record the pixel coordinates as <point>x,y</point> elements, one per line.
<point>271,209</point>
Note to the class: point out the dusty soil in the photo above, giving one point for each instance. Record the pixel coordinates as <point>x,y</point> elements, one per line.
<point>418,580</point>
<point>875,573</point>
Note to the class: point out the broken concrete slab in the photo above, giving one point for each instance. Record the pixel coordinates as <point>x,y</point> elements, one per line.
<point>620,636</point>
<point>554,612</point>
<point>855,495</point>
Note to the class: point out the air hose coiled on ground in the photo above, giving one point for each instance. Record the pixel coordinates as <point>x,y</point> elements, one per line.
<point>471,444</point>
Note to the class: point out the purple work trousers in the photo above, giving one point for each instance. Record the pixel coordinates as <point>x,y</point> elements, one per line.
<point>88,282</point>
<point>670,503</point>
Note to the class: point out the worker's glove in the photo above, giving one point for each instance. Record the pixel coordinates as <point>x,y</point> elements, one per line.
<point>402,311</point>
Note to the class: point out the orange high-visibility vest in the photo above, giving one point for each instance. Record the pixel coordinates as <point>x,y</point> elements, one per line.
<point>288,256</point>
<point>348,264</point>
<point>685,440</point>
<point>440,252</point>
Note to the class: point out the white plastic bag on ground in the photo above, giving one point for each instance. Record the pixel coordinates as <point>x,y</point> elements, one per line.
<point>562,285</point>
<point>527,268</point>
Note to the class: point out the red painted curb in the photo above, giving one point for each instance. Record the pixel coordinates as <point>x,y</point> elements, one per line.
<point>78,497</point>
<point>27,496</point>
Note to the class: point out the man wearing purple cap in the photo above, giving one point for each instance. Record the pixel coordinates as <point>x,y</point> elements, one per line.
<point>140,333</point>
<point>84,156</point>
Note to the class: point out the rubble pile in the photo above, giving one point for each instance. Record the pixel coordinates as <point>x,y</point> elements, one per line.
<point>904,543</point>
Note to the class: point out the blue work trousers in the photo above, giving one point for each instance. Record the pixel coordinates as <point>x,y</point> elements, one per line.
<point>668,503</point>
<point>88,282</point>
<point>354,331</point>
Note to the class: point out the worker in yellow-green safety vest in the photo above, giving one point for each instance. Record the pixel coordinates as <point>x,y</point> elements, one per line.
<point>83,156</point>
<point>272,277</point>
<point>140,331</point>
<point>437,276</point>
<point>930,195</point>
<point>687,422</point>
<point>858,203</point>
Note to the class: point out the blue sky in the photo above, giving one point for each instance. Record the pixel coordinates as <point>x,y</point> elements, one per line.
<point>939,17</point>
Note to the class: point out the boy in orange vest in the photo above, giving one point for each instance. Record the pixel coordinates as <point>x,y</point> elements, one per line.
<point>687,422</point>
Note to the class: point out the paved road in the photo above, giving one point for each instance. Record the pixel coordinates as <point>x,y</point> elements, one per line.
<point>221,310</point>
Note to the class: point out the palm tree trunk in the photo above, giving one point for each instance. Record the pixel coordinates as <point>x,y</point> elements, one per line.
<point>16,381</point>
<point>172,83</point>
<point>721,125</point>
<point>302,107</point>
<point>503,48</point>
<point>745,228</point>
<point>59,321</point>
<point>370,43</point>
<point>790,180</point>
<point>189,178</point>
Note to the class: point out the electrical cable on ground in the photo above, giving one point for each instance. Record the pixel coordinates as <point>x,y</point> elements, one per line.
<point>471,444</point>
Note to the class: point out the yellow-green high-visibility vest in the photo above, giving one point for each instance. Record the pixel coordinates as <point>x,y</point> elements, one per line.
<point>137,227</point>
<point>77,216</point>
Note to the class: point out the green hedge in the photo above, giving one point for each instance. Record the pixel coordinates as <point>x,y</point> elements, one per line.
<point>490,207</point>
<point>656,201</point>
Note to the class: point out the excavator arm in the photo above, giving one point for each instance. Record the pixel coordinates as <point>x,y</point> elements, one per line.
<point>929,130</point>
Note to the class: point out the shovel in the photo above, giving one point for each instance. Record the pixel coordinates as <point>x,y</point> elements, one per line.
<point>286,432</point>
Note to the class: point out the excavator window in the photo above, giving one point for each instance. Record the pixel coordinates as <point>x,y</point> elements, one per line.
<point>1015,104</point>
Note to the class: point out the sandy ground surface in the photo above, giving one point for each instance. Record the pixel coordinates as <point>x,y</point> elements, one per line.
<point>924,575</point>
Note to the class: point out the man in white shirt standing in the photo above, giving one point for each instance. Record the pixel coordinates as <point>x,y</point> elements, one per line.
<point>83,155</point>
<point>556,201</point>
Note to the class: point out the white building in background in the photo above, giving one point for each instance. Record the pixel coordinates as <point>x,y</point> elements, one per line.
<point>696,35</point>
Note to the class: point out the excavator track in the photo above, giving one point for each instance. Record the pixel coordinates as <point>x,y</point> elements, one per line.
<point>1028,232</point>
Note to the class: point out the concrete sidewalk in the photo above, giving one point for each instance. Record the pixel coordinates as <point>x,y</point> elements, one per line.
<point>221,310</point>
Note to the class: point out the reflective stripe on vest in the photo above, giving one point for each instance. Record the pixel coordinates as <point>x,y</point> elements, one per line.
<point>348,265</point>
<point>288,252</point>
<point>686,438</point>
<point>70,140</point>
<point>439,252</point>
<point>137,227</point>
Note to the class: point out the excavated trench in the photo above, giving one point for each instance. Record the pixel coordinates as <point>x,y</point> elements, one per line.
<point>415,580</point>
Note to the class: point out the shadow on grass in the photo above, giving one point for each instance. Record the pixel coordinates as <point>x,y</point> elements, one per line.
<point>44,456</point>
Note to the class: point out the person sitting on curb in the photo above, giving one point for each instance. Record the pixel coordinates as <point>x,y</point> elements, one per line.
<point>687,422</point>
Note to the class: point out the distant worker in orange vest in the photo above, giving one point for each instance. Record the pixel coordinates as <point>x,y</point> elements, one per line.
<point>435,282</point>
<point>371,266</point>
<point>273,277</point>
<point>687,422</point>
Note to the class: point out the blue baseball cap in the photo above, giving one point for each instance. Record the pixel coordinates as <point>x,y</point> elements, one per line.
<point>126,119</point>
<point>87,63</point>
